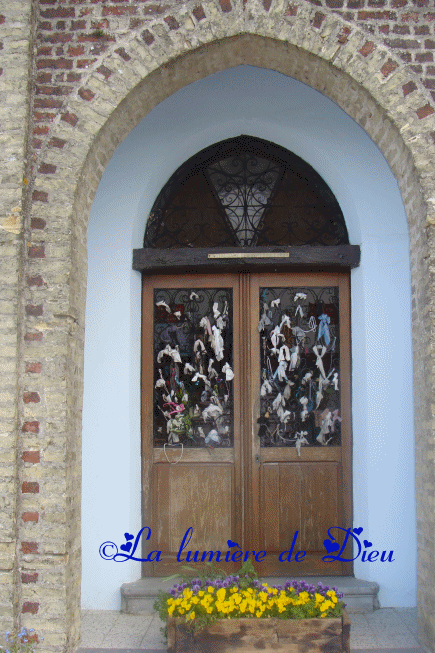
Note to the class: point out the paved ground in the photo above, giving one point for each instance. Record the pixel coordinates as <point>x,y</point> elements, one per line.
<point>389,630</point>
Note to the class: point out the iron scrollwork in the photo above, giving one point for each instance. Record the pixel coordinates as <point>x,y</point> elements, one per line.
<point>245,192</point>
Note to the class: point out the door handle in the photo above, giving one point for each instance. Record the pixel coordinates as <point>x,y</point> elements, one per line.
<point>257,458</point>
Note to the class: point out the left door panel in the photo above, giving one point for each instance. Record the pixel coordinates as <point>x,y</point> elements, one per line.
<point>190,416</point>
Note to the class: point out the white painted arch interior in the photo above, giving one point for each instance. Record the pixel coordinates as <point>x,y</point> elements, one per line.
<point>271,106</point>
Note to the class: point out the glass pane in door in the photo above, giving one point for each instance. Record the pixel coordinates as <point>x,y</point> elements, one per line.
<point>193,367</point>
<point>300,367</point>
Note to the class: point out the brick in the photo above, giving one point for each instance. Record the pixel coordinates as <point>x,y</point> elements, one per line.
<point>30,427</point>
<point>76,50</point>
<point>78,24</point>
<point>43,116</point>
<point>103,70</point>
<point>30,516</point>
<point>429,44</point>
<point>58,37</point>
<point>376,15</point>
<point>100,24</point>
<point>30,606</point>
<point>37,223</point>
<point>85,63</point>
<point>34,310</point>
<point>47,169</point>
<point>47,103</point>
<point>40,196</point>
<point>30,487</point>
<point>33,368</point>
<point>59,12</point>
<point>31,398</point>
<point>56,142</point>
<point>410,16</point>
<point>136,22</point>
<point>59,63</point>
<point>291,9</point>
<point>45,50</point>
<point>149,10</point>
<point>199,13</point>
<point>388,67</point>
<point>367,48</point>
<point>33,337</point>
<point>70,118</point>
<point>424,57</point>
<point>86,94</point>
<point>171,22</point>
<point>73,77</point>
<point>57,90</point>
<point>33,457</point>
<point>225,5</point>
<point>41,129</point>
<point>424,111</point>
<point>343,35</point>
<point>44,77</point>
<point>119,11</point>
<point>318,19</point>
<point>267,4</point>
<point>409,88</point>
<point>401,29</point>
<point>123,54</point>
<point>27,578</point>
<point>147,37</point>
<point>335,4</point>
<point>36,251</point>
<point>406,44</point>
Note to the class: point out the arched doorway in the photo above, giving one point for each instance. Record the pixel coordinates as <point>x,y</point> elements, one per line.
<point>246,371</point>
<point>309,124</point>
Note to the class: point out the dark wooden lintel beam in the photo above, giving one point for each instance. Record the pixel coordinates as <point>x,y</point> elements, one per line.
<point>193,260</point>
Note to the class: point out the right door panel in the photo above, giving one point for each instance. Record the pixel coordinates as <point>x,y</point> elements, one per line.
<point>301,442</point>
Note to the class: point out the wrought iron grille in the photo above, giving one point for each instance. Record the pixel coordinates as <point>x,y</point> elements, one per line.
<point>193,361</point>
<point>300,367</point>
<point>245,192</point>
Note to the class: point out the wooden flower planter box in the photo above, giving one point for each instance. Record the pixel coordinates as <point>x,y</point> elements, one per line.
<point>253,635</point>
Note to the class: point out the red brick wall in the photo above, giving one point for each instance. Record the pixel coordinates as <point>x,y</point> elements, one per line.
<point>73,35</point>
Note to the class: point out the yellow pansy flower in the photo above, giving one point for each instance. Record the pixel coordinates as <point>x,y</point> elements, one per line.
<point>221,593</point>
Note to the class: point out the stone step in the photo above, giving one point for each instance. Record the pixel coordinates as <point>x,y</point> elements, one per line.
<point>360,596</point>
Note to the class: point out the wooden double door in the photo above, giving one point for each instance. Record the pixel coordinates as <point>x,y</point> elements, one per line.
<point>246,434</point>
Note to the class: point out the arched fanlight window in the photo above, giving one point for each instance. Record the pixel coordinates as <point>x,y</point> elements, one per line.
<point>245,192</point>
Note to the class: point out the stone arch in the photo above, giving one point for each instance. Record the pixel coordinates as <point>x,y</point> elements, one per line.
<point>319,49</point>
